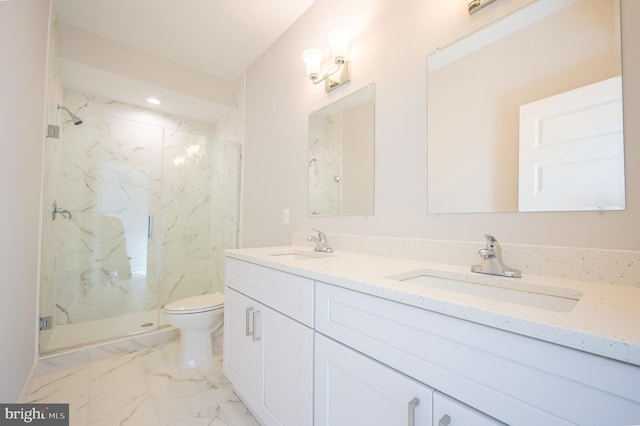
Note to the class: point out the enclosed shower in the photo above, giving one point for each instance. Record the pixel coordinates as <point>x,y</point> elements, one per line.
<point>139,207</point>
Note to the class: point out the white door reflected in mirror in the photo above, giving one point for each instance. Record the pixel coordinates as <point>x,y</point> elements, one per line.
<point>477,85</point>
<point>571,150</point>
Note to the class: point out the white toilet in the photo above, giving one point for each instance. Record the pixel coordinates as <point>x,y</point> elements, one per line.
<point>197,318</point>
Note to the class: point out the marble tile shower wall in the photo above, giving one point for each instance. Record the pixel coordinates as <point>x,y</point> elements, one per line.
<point>141,188</point>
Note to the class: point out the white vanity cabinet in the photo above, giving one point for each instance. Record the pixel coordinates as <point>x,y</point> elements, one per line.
<point>268,348</point>
<point>505,376</point>
<point>302,352</point>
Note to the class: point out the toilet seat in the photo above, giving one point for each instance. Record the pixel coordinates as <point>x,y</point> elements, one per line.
<point>195,304</point>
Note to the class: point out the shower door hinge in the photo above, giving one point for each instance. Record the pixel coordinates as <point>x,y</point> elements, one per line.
<point>46,323</point>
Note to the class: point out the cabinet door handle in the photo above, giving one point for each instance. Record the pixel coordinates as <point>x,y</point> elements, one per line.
<point>256,338</point>
<point>247,330</point>
<point>411,407</point>
<point>445,420</point>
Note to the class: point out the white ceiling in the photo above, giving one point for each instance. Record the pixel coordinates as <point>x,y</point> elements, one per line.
<point>221,38</point>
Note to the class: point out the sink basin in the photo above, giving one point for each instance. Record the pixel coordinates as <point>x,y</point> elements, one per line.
<point>301,255</point>
<point>512,290</point>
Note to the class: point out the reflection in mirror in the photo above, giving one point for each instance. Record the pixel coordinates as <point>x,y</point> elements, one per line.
<point>526,113</point>
<point>341,156</point>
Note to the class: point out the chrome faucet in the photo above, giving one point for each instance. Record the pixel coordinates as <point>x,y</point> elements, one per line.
<point>321,242</point>
<point>492,260</point>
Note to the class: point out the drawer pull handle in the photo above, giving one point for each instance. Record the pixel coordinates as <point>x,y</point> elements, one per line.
<point>445,420</point>
<point>411,406</point>
<point>247,330</point>
<point>256,338</point>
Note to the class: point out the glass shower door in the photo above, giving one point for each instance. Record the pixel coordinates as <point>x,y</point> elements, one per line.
<point>101,260</point>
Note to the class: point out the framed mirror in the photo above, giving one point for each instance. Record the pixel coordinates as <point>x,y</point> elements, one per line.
<point>526,113</point>
<point>341,156</point>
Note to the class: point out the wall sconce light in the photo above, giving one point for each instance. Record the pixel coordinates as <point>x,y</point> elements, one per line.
<point>476,5</point>
<point>339,41</point>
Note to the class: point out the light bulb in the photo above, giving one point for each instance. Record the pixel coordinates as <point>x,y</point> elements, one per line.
<point>312,59</point>
<point>339,41</point>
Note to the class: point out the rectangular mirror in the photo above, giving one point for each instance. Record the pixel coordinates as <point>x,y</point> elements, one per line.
<point>341,156</point>
<point>526,113</point>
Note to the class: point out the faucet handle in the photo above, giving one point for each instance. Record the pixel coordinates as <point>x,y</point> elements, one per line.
<point>492,243</point>
<point>492,249</point>
<point>321,235</point>
<point>486,253</point>
<point>493,246</point>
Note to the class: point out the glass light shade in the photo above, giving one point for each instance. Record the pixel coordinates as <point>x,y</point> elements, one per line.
<point>312,59</point>
<point>339,41</point>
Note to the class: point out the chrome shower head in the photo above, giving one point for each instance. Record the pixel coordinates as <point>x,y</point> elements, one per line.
<point>74,118</point>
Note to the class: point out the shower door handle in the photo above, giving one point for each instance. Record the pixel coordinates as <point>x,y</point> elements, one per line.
<point>149,227</point>
<point>55,210</point>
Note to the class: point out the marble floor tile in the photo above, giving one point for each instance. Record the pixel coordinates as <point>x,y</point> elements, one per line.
<point>143,388</point>
<point>70,386</point>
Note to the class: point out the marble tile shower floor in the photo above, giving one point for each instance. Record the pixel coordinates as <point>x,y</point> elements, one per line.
<point>142,388</point>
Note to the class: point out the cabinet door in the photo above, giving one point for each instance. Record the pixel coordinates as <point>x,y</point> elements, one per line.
<point>241,353</point>
<point>287,357</point>
<point>352,389</point>
<point>269,361</point>
<point>450,412</point>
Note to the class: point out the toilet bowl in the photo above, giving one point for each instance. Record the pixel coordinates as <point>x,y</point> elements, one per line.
<point>197,318</point>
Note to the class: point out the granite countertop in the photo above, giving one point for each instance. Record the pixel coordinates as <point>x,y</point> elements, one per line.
<point>605,321</point>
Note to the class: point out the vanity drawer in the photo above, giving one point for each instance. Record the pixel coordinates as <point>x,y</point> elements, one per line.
<point>289,294</point>
<point>492,370</point>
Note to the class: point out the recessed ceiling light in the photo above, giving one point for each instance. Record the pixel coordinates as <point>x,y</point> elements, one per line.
<point>154,101</point>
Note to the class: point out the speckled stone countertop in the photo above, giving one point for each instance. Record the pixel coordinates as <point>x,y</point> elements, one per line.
<point>605,321</point>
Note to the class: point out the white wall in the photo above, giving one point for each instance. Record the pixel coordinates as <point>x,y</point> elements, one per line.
<point>23,45</point>
<point>357,158</point>
<point>391,41</point>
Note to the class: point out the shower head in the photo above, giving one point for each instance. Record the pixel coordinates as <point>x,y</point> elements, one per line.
<point>76,120</point>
